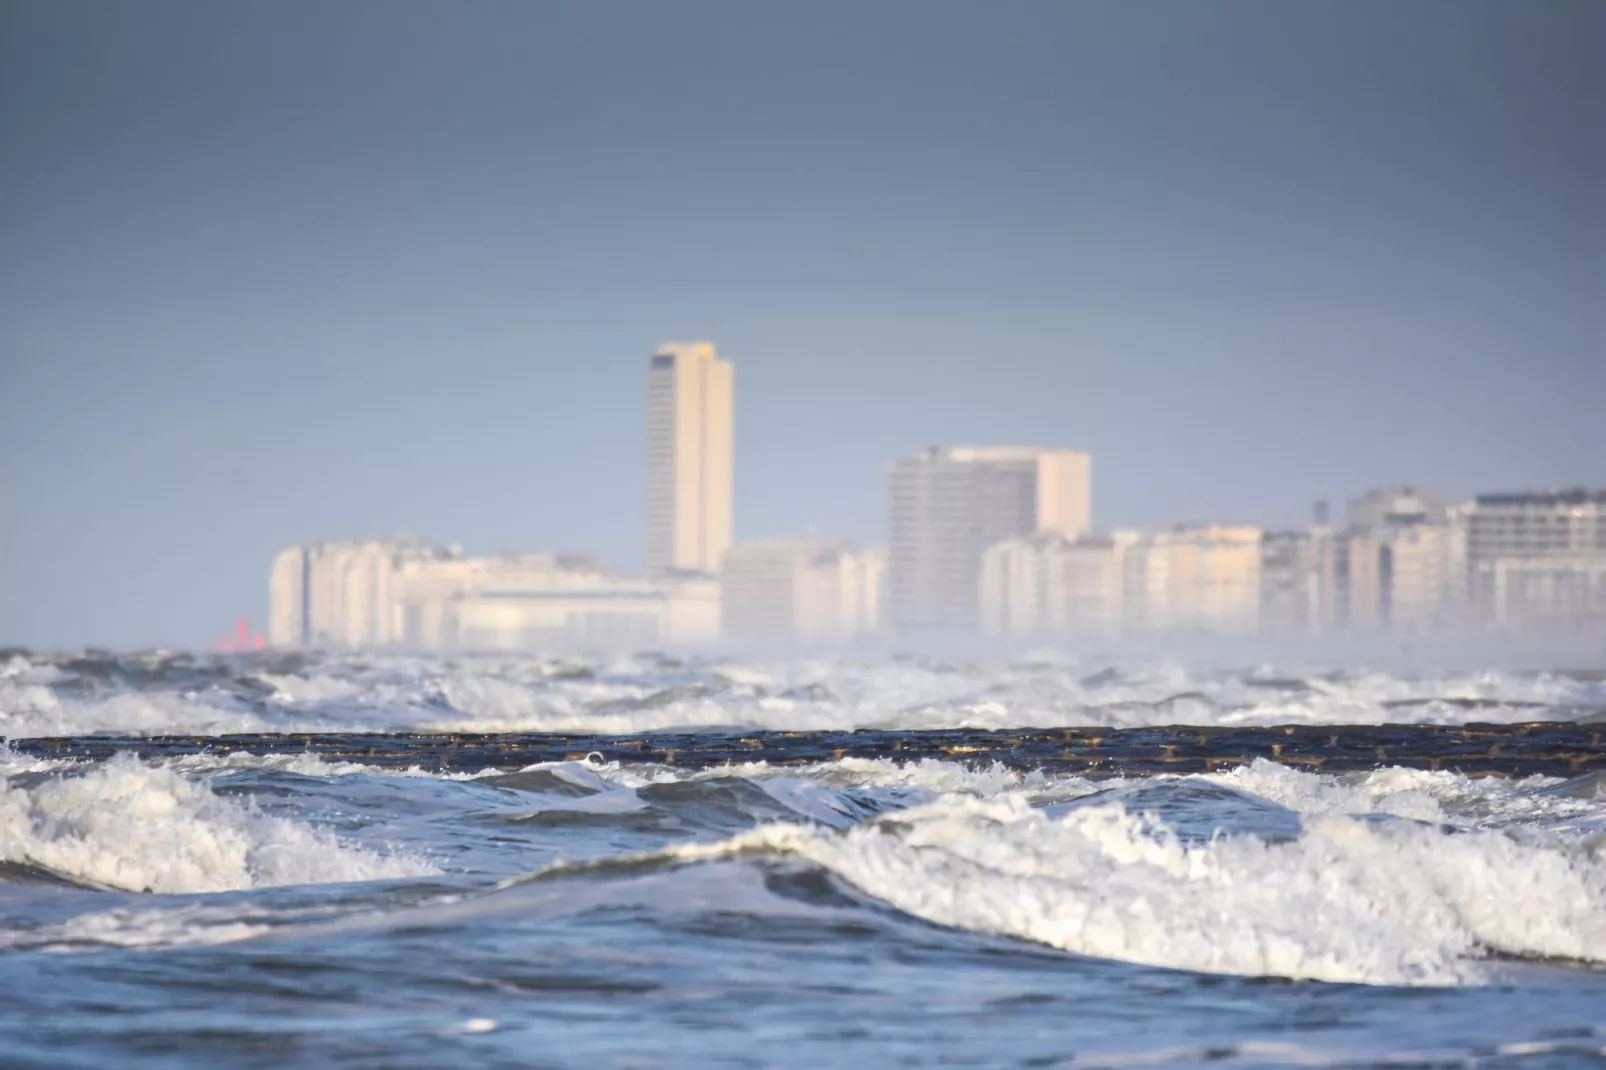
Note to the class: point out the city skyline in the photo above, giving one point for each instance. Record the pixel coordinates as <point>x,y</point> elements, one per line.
<point>314,273</point>
<point>995,541</point>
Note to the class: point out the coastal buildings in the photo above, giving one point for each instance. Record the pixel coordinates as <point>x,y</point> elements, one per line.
<point>949,504</point>
<point>982,539</point>
<point>1400,565</point>
<point>800,590</point>
<point>1294,580</point>
<point>340,593</point>
<point>1537,561</point>
<point>405,593</point>
<point>1046,584</point>
<point>1192,578</point>
<point>689,458</point>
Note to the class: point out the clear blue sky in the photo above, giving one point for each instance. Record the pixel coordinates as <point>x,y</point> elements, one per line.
<point>281,271</point>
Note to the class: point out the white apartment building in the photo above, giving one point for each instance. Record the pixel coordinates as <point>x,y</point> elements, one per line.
<point>1537,561</point>
<point>800,590</point>
<point>949,504</point>
<point>1047,584</point>
<point>1192,579</point>
<point>340,593</point>
<point>1401,565</point>
<point>378,593</point>
<point>560,610</point>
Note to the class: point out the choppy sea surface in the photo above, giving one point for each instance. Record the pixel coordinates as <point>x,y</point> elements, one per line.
<point>286,911</point>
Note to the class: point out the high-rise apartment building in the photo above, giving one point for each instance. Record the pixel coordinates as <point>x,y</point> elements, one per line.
<point>1537,561</point>
<point>689,402</point>
<point>948,505</point>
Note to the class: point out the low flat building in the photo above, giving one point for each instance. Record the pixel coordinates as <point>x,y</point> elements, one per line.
<point>404,593</point>
<point>598,612</point>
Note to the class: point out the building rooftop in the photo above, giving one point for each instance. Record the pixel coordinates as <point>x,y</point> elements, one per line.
<point>687,350</point>
<point>991,453</point>
<point>1574,496</point>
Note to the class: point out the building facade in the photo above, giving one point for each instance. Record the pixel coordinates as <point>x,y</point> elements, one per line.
<point>341,593</point>
<point>1401,564</point>
<point>689,458</point>
<point>561,610</point>
<point>1193,579</point>
<point>405,593</point>
<point>800,590</point>
<point>1291,581</point>
<point>1046,584</point>
<point>948,505</point>
<point>1537,561</point>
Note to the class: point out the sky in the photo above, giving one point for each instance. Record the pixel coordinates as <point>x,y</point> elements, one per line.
<point>278,272</point>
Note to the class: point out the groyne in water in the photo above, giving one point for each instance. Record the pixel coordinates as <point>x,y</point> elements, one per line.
<point>1548,748</point>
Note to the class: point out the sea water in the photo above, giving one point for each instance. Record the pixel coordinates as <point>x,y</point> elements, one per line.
<point>281,910</point>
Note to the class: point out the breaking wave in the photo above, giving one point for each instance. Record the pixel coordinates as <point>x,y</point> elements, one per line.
<point>153,693</point>
<point>1346,899</point>
<point>133,826</point>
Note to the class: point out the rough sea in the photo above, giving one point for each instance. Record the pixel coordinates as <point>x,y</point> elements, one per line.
<point>282,910</point>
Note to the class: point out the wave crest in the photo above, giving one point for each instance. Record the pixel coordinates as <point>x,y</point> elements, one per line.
<point>1348,900</point>
<point>138,827</point>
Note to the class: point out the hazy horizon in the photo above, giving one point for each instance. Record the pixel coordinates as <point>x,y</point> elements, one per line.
<point>286,272</point>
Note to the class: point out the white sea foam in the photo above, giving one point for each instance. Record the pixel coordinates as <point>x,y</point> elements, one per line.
<point>1419,794</point>
<point>825,695</point>
<point>190,925</point>
<point>37,710</point>
<point>303,763</point>
<point>1348,900</point>
<point>130,825</point>
<point>381,693</point>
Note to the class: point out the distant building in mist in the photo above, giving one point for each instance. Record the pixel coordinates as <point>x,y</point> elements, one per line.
<point>689,458</point>
<point>800,590</point>
<point>1537,561</point>
<point>948,505</point>
<point>1411,563</point>
<point>1046,584</point>
<point>339,593</point>
<point>366,594</point>
<point>1400,566</point>
<point>1292,586</point>
<point>1193,579</point>
<point>536,605</point>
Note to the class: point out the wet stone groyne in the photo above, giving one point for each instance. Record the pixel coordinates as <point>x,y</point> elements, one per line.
<point>1549,748</point>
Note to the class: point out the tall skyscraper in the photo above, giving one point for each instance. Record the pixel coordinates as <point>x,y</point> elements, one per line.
<point>948,505</point>
<point>689,397</point>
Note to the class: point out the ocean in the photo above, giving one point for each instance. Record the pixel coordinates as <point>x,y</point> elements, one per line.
<point>284,909</point>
